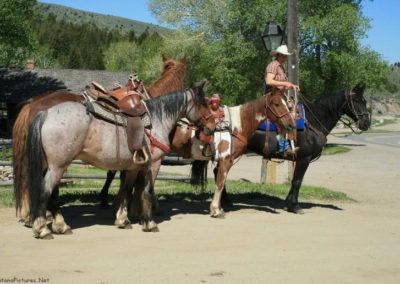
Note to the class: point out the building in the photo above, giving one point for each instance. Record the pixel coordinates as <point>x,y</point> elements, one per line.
<point>18,85</point>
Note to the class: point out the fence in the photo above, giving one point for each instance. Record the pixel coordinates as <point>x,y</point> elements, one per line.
<point>5,162</point>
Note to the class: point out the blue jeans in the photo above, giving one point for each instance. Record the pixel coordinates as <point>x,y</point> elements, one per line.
<point>283,144</point>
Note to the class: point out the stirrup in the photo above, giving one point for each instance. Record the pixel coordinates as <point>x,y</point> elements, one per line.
<point>139,159</point>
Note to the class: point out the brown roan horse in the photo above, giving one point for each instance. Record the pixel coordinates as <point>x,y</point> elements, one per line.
<point>69,131</point>
<point>171,80</point>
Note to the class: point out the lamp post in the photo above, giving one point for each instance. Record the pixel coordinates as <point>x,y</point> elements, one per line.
<point>272,36</point>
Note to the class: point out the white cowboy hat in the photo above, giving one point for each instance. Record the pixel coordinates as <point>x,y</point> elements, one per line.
<point>280,50</point>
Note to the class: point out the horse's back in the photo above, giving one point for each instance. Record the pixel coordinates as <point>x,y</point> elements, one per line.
<point>65,130</point>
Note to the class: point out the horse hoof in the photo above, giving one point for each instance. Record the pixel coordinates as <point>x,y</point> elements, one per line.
<point>125,225</point>
<point>153,230</point>
<point>47,237</point>
<point>218,215</point>
<point>68,232</point>
<point>295,209</point>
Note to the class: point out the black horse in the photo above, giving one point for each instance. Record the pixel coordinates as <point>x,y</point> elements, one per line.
<point>321,117</point>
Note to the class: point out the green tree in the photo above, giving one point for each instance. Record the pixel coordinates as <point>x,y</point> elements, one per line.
<point>329,32</point>
<point>16,41</point>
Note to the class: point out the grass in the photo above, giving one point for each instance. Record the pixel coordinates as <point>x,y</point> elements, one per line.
<point>331,149</point>
<point>180,191</point>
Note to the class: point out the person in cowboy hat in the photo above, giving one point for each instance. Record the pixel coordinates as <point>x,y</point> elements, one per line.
<point>275,74</point>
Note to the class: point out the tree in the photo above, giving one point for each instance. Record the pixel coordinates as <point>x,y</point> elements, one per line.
<point>330,53</point>
<point>16,40</point>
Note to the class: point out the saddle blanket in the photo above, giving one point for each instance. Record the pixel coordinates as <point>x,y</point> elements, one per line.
<point>299,122</point>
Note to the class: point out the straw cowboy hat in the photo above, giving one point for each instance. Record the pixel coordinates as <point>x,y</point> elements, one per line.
<point>280,50</point>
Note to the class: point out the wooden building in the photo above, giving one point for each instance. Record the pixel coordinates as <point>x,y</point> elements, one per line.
<point>17,85</point>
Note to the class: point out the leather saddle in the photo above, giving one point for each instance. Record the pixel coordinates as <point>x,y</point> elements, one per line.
<point>129,102</point>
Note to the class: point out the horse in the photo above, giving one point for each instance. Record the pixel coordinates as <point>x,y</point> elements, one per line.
<point>68,131</point>
<point>171,80</point>
<point>321,116</point>
<point>230,145</point>
<point>173,73</point>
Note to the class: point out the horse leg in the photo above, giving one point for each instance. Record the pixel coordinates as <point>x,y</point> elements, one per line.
<point>215,206</point>
<point>58,225</point>
<point>155,168</point>
<point>292,199</point>
<point>145,187</point>
<point>23,213</point>
<point>225,200</point>
<point>47,200</point>
<point>104,190</point>
<point>127,180</point>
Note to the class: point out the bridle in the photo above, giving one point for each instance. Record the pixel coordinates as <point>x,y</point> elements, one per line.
<point>268,107</point>
<point>350,104</point>
<point>203,118</point>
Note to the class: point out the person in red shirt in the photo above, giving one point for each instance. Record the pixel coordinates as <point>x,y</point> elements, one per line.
<point>275,75</point>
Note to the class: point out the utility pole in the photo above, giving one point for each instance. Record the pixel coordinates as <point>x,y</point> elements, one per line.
<point>293,64</point>
<point>293,42</point>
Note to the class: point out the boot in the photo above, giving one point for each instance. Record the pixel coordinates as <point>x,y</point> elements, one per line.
<point>290,153</point>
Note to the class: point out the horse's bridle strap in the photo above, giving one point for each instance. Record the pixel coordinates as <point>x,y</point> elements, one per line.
<point>239,136</point>
<point>155,143</point>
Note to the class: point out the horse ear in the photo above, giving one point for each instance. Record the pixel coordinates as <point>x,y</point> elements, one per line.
<point>183,60</point>
<point>202,85</point>
<point>359,88</point>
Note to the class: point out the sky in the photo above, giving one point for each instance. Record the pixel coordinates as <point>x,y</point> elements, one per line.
<point>383,37</point>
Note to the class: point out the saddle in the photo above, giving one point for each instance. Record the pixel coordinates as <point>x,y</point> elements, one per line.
<point>128,102</point>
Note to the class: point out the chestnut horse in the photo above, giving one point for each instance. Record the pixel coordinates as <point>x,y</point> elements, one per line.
<point>68,131</point>
<point>171,80</point>
<point>230,145</point>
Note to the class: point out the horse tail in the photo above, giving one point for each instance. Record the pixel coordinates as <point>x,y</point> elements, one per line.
<point>35,164</point>
<point>19,134</point>
<point>198,174</point>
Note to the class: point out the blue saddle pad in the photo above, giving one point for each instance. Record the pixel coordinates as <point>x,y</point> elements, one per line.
<point>299,122</point>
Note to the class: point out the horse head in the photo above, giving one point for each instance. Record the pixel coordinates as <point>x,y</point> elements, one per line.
<point>356,107</point>
<point>199,111</point>
<point>172,77</point>
<point>278,111</point>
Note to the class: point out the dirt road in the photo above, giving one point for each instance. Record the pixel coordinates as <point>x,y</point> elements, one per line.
<point>256,243</point>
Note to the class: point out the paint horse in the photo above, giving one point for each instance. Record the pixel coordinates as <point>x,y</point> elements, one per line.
<point>321,117</point>
<point>171,80</point>
<point>231,143</point>
<point>68,131</point>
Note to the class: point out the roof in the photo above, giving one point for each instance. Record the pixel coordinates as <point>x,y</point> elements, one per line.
<point>17,84</point>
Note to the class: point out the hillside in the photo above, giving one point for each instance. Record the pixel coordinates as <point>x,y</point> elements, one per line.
<point>101,21</point>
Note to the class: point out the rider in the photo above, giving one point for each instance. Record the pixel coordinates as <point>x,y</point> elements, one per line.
<point>275,75</point>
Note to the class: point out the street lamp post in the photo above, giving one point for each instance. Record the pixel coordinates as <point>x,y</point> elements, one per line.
<point>272,36</point>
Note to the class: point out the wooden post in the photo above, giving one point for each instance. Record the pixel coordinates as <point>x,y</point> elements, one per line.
<point>268,171</point>
<point>291,166</point>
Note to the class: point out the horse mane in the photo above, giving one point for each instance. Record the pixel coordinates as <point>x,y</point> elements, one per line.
<point>329,103</point>
<point>173,101</point>
<point>173,73</point>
